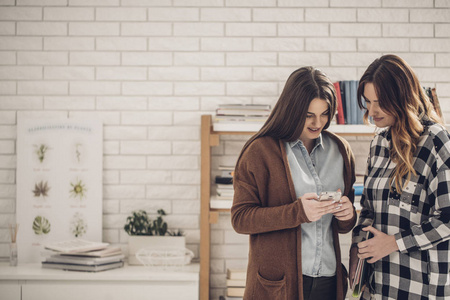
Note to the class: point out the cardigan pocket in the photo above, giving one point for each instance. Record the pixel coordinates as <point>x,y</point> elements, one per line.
<point>269,289</point>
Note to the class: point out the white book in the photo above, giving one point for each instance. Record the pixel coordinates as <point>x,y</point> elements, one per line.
<point>76,245</point>
<point>108,251</point>
<point>237,126</point>
<point>225,192</point>
<point>245,106</point>
<point>236,273</point>
<point>220,204</point>
<point>236,282</point>
<point>92,268</point>
<point>224,186</point>
<point>84,260</point>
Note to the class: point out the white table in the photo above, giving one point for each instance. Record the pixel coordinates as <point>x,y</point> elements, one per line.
<point>32,282</point>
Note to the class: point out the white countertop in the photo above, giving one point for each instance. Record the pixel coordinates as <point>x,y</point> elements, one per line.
<point>128,273</point>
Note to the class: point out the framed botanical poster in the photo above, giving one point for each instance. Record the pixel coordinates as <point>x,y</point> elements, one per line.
<point>59,183</point>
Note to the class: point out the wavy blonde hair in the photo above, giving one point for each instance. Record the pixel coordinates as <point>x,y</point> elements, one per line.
<point>401,96</point>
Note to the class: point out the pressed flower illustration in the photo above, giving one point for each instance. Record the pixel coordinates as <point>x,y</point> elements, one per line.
<point>41,225</point>
<point>78,225</point>
<point>78,189</point>
<point>78,149</point>
<point>40,151</point>
<point>41,189</point>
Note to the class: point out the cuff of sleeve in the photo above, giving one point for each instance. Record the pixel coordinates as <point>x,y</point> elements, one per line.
<point>302,216</point>
<point>404,243</point>
<point>347,225</point>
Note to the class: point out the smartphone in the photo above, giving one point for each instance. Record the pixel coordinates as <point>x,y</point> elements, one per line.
<point>335,196</point>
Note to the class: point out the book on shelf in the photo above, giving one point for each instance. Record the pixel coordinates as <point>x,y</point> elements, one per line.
<point>431,93</point>
<point>84,260</point>
<point>359,187</point>
<point>108,251</point>
<point>226,168</point>
<point>245,106</point>
<point>224,186</point>
<point>243,110</point>
<point>235,291</point>
<point>238,126</point>
<point>236,273</point>
<point>220,203</point>
<point>244,119</point>
<point>76,246</point>
<point>227,173</point>
<point>348,111</point>
<point>340,109</point>
<point>230,298</point>
<point>225,192</point>
<point>223,180</point>
<point>344,104</point>
<point>84,268</point>
<point>236,282</point>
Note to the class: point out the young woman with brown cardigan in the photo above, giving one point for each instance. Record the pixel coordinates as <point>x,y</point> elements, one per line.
<point>294,244</point>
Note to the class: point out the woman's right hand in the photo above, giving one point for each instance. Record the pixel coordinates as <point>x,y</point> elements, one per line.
<point>353,263</point>
<point>314,209</point>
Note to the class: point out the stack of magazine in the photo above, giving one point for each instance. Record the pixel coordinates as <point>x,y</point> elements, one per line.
<point>224,188</point>
<point>240,117</point>
<point>82,255</point>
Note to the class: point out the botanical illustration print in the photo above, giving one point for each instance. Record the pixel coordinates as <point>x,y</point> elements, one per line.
<point>41,226</point>
<point>78,189</point>
<point>41,189</point>
<point>40,151</point>
<point>78,225</point>
<point>78,151</point>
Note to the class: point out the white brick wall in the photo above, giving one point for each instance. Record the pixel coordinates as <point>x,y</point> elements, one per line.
<point>149,68</point>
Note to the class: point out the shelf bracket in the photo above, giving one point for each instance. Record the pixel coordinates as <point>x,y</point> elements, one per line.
<point>213,217</point>
<point>214,140</point>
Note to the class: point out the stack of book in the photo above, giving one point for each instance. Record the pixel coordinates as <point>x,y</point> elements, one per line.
<point>348,111</point>
<point>223,198</point>
<point>240,117</point>
<point>81,255</point>
<point>236,283</point>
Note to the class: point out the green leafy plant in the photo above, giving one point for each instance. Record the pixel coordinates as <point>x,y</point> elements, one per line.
<point>159,226</point>
<point>41,225</point>
<point>40,151</point>
<point>177,232</point>
<point>139,223</point>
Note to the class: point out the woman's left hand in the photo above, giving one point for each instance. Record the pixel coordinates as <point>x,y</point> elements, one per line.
<point>379,246</point>
<point>345,209</point>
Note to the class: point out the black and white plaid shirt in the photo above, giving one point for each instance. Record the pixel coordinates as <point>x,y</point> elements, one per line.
<point>419,218</point>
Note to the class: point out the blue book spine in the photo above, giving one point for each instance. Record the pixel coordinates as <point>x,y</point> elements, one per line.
<point>348,104</point>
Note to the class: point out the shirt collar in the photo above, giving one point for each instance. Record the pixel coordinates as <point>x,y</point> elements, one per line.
<point>319,143</point>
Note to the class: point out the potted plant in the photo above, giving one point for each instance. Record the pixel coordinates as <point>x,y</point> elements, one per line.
<point>143,233</point>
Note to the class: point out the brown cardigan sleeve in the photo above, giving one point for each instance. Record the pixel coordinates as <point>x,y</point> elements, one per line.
<point>258,167</point>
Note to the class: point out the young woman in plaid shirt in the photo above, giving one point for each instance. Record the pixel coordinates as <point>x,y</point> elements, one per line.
<point>406,189</point>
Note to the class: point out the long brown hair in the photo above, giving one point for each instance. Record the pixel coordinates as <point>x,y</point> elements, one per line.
<point>287,118</point>
<point>401,96</point>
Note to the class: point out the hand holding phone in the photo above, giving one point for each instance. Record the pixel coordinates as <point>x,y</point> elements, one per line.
<point>325,196</point>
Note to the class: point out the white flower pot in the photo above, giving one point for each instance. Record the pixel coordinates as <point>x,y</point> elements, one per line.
<point>137,242</point>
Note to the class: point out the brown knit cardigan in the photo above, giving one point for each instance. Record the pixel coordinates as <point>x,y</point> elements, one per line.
<point>265,206</point>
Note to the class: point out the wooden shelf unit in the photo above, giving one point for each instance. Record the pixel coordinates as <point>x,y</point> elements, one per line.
<point>208,216</point>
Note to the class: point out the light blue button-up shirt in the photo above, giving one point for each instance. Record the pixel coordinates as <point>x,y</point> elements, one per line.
<point>319,171</point>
